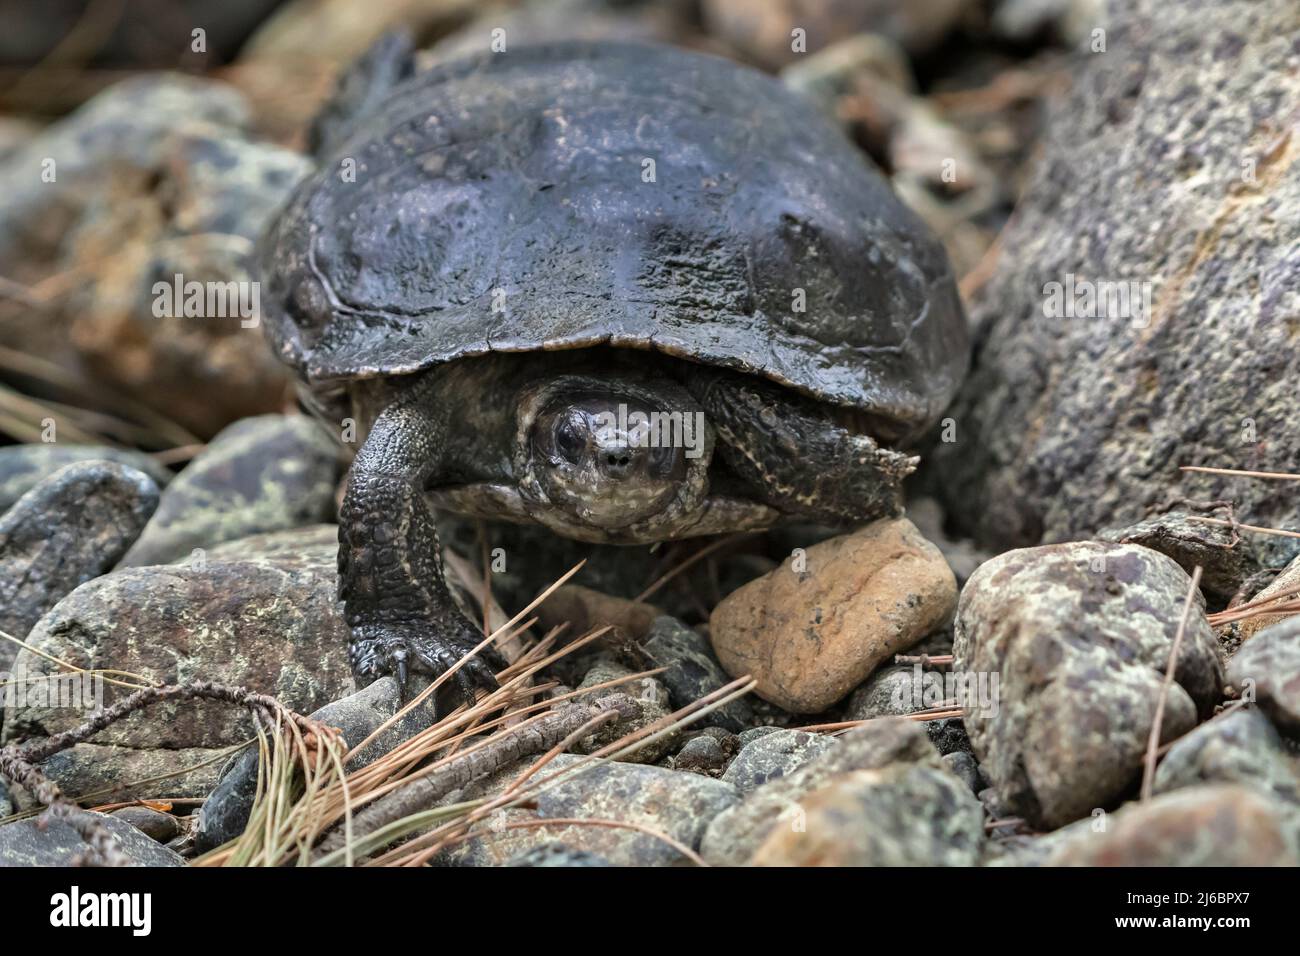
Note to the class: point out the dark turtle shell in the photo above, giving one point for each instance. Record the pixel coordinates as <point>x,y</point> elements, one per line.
<point>507,202</point>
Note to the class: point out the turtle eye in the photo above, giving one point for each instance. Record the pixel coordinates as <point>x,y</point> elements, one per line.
<point>570,440</point>
<point>308,304</point>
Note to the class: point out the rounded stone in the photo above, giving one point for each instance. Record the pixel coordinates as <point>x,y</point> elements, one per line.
<point>1072,642</point>
<point>813,629</point>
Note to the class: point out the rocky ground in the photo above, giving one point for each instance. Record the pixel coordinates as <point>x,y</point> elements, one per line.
<point>1056,657</point>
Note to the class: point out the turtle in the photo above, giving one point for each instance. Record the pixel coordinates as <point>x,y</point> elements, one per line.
<point>625,291</point>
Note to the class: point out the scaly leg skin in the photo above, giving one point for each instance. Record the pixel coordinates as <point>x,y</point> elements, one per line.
<point>390,564</point>
<point>795,456</point>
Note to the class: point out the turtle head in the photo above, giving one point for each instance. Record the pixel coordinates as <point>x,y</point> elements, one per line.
<point>612,454</point>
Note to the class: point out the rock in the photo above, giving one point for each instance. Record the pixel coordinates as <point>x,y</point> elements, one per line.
<point>755,733</point>
<point>585,609</point>
<point>27,843</point>
<point>693,671</point>
<point>948,734</point>
<point>1268,667</point>
<point>890,692</point>
<point>199,363</point>
<point>135,40</point>
<point>812,630</point>
<point>269,622</point>
<point>1217,825</point>
<point>729,742</point>
<point>763,29</point>
<point>124,126</point>
<point>702,755</point>
<point>1242,748</point>
<point>225,812</point>
<point>900,815</point>
<point>651,700</point>
<point>557,854</point>
<point>993,804</point>
<point>1225,566</point>
<point>262,474</point>
<point>1069,424</point>
<point>773,755</point>
<point>1071,641</point>
<point>1286,580</point>
<point>71,527</point>
<point>113,772</point>
<point>156,177</point>
<point>22,467</point>
<point>734,836</point>
<point>154,824</point>
<point>6,802</point>
<point>963,766</point>
<point>677,804</point>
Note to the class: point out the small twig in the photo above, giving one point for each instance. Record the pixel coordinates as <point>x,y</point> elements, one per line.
<point>1270,607</point>
<point>1246,527</point>
<point>18,763</point>
<point>179,454</point>
<point>1228,507</point>
<point>933,713</point>
<point>446,675</point>
<point>263,704</point>
<point>984,270</point>
<point>1278,475</point>
<point>925,660</point>
<point>1007,822</point>
<point>430,844</point>
<point>421,792</point>
<point>698,556</point>
<point>103,847</point>
<point>1153,742</point>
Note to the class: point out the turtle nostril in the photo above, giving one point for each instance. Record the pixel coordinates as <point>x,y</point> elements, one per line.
<point>617,463</point>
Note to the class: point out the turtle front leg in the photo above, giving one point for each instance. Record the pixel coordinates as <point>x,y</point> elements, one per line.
<point>391,580</point>
<point>793,455</point>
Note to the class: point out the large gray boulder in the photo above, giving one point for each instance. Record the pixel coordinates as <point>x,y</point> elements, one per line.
<point>1172,163</point>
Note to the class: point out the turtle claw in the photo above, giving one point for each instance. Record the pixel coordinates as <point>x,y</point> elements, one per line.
<point>402,648</point>
<point>399,660</point>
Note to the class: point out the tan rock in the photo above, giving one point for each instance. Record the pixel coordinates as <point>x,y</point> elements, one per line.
<point>813,629</point>
<point>1217,825</point>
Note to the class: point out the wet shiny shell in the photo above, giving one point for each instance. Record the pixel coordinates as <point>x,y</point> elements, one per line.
<point>629,195</point>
